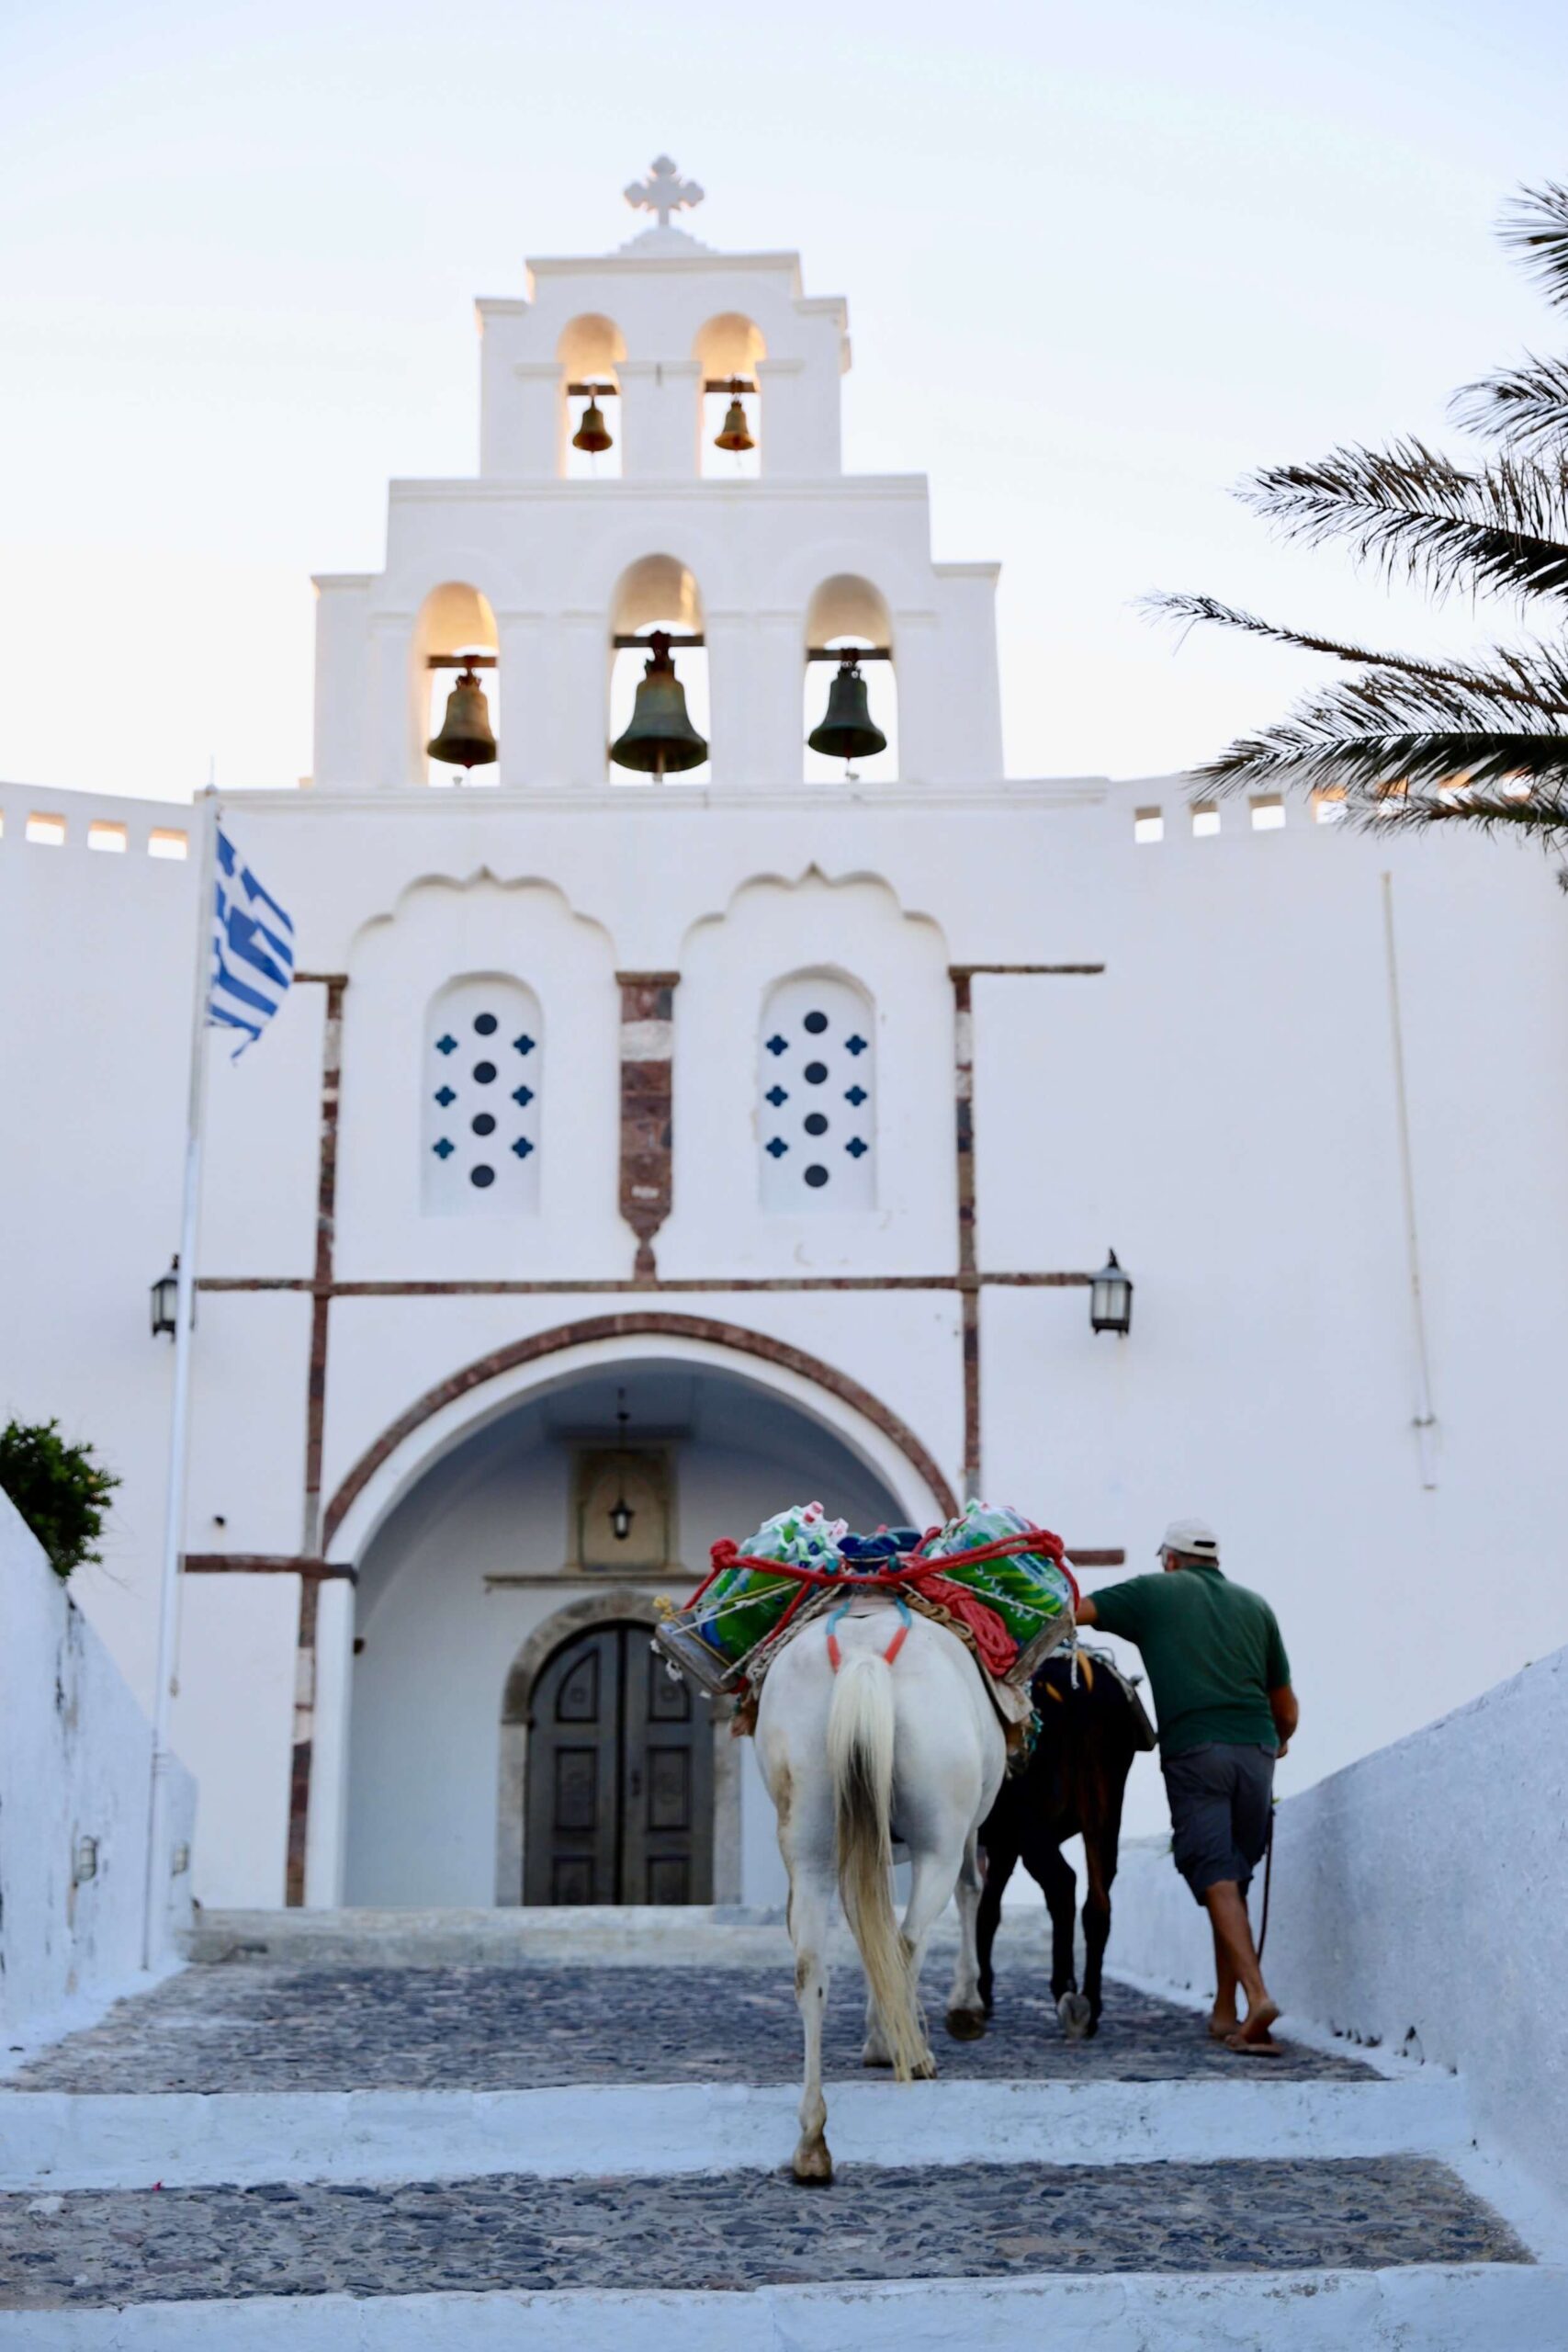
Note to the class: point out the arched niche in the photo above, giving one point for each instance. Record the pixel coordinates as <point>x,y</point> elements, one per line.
<point>590,350</point>
<point>849,614</point>
<point>728,348</point>
<point>657,592</point>
<point>454,619</point>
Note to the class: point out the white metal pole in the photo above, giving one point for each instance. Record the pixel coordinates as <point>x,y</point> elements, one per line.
<point>1424,1420</point>
<point>179,1423</point>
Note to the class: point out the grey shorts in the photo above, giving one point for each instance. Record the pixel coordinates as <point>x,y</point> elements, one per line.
<point>1220,1798</point>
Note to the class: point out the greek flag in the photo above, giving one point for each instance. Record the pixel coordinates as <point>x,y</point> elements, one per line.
<point>252,950</point>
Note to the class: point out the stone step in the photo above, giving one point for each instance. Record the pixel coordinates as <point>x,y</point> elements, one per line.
<point>257,2028</point>
<point>486,2236</point>
<point>588,1936</point>
<point>59,2140</point>
<point>1414,2308</point>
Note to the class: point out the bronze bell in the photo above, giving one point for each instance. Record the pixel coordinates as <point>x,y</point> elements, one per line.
<point>592,433</point>
<point>735,435</point>
<point>661,739</point>
<point>847,731</point>
<point>466,740</point>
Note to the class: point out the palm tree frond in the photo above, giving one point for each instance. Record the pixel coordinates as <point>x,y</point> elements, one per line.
<point>1319,746</point>
<point>1535,226</point>
<point>1531,674</point>
<point>1526,407</point>
<point>1415,514</point>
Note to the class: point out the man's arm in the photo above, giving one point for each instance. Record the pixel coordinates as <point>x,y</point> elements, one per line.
<point>1086,1612</point>
<point>1287,1714</point>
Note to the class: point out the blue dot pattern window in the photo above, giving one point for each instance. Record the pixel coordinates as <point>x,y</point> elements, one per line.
<point>817,1096</point>
<point>480,1061</point>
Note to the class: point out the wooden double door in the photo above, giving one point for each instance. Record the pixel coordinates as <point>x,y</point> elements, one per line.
<point>619,1804</point>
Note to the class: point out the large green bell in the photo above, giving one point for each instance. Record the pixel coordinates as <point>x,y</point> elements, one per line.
<point>661,739</point>
<point>847,732</point>
<point>466,740</point>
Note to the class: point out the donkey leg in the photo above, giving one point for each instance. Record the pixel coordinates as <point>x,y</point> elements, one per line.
<point>965,2010</point>
<point>931,1879</point>
<point>1001,1855</point>
<point>1100,1844</point>
<point>1056,1876</point>
<point>810,1909</point>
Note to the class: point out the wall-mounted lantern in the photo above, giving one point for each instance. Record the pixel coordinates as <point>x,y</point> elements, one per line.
<point>1111,1299</point>
<point>165,1297</point>
<point>621,1512</point>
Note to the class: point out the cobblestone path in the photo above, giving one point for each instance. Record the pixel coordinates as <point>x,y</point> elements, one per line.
<point>738,2230</point>
<point>248,2027</point>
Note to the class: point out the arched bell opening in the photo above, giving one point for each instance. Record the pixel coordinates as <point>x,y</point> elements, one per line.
<point>658,691</point>
<point>850,692</point>
<point>455,688</point>
<point>727,350</point>
<point>589,352</point>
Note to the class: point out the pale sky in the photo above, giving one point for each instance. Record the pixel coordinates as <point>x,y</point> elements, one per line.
<point>1099,258</point>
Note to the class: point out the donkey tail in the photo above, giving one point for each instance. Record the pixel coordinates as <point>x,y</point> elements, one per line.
<point>860,1757</point>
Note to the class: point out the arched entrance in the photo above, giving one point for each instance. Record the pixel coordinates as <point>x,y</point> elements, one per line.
<point>618,1776</point>
<point>482,1766</point>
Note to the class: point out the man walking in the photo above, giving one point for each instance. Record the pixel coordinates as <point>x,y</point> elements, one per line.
<point>1221,1688</point>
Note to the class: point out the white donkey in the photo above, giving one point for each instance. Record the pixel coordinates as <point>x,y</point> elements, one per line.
<point>873,1724</point>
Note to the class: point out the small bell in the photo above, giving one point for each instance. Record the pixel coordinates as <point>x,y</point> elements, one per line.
<point>847,731</point>
<point>661,739</point>
<point>592,433</point>
<point>735,435</point>
<point>466,740</point>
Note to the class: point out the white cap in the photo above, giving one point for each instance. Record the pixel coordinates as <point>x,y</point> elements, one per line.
<point>1193,1536</point>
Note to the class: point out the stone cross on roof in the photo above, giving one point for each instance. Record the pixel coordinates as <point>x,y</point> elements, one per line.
<point>664,191</point>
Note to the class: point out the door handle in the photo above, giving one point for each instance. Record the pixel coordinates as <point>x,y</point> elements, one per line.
<point>636,1781</point>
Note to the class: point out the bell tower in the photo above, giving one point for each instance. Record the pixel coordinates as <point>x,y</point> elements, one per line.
<point>660,451</point>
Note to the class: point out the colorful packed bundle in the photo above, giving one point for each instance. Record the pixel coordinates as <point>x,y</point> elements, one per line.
<point>1011,1609</point>
<point>739,1606</point>
<point>1029,1591</point>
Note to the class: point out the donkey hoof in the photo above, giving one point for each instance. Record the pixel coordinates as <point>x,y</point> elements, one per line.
<point>872,2054</point>
<point>813,2165</point>
<point>1077,2018</point>
<point>966,2025</point>
<point>924,2069</point>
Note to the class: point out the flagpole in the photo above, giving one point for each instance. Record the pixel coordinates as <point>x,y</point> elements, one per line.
<point>179,1424</point>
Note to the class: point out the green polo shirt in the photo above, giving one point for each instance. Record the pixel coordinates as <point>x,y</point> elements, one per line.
<point>1213,1650</point>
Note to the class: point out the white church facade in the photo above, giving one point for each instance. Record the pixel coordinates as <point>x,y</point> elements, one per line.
<point>638,1152</point>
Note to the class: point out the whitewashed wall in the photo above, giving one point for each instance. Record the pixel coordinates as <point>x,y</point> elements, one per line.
<point>1420,1903</point>
<point>76,1760</point>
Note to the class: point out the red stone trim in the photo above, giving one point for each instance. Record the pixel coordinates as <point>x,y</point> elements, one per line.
<point>1082,1557</point>
<point>315,1421</point>
<point>636,1325</point>
<point>968,1278</point>
<point>590,1286</point>
<point>304,1726</point>
<point>267,1564</point>
<point>326,1229</point>
<point>1021,971</point>
<point>646,1115</point>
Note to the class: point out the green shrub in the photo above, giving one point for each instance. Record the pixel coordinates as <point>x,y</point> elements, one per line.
<point>59,1490</point>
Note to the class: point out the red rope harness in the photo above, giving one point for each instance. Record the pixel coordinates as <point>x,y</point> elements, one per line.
<point>995,1645</point>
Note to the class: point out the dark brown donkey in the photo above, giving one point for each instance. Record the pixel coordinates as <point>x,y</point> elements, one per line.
<point>1090,1729</point>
